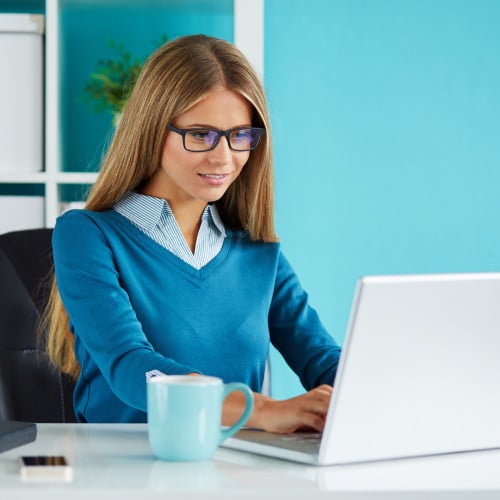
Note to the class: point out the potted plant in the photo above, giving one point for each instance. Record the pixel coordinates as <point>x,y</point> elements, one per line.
<point>110,85</point>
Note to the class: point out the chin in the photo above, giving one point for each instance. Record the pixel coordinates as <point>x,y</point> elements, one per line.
<point>213,197</point>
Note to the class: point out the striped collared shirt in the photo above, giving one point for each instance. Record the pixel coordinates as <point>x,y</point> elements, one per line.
<point>154,217</point>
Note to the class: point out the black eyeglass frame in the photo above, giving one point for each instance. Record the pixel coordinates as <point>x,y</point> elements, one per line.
<point>220,133</point>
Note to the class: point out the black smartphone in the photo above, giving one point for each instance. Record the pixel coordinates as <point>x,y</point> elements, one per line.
<point>45,468</point>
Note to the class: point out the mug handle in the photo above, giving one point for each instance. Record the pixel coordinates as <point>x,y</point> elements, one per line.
<point>237,386</point>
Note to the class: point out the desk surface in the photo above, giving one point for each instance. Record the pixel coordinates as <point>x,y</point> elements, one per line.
<point>115,461</point>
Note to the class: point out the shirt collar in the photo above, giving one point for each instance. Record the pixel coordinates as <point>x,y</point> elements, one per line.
<point>145,211</point>
<point>212,214</point>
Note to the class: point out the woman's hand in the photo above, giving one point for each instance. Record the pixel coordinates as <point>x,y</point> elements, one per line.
<point>304,412</point>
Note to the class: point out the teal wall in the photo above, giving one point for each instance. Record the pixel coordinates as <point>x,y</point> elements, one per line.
<point>22,6</point>
<point>386,120</point>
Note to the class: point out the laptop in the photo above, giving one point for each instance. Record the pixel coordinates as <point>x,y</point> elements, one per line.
<point>419,375</point>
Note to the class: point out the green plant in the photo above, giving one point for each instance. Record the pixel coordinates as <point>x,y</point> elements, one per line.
<point>109,87</point>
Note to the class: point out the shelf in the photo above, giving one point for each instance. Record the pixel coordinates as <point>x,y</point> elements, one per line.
<point>23,177</point>
<point>75,177</point>
<point>44,177</point>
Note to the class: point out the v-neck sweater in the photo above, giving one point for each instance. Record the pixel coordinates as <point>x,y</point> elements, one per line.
<point>134,307</point>
<point>154,217</point>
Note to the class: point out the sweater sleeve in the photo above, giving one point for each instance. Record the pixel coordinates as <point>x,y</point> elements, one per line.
<point>100,311</point>
<point>297,332</point>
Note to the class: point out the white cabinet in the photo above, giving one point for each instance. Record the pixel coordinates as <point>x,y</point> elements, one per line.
<point>21,92</point>
<point>61,126</point>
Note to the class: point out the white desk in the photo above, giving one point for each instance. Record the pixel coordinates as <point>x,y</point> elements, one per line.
<point>115,462</point>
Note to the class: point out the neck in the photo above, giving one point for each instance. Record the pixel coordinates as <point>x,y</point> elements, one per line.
<point>187,215</point>
<point>187,211</point>
<point>188,219</point>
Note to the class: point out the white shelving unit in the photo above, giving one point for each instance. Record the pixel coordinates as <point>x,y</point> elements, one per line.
<point>248,36</point>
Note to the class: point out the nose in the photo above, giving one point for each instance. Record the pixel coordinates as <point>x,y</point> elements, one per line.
<point>221,152</point>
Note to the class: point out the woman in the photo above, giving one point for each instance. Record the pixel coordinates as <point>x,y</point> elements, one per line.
<point>174,264</point>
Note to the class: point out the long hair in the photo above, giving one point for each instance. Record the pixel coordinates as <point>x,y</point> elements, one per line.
<point>174,78</point>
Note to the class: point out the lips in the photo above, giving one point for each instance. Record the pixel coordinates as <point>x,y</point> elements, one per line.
<point>215,176</point>
<point>214,180</point>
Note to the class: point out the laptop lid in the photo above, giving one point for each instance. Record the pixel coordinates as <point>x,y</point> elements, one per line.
<point>419,372</point>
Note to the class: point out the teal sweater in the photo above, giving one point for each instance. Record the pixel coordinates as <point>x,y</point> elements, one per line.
<point>134,307</point>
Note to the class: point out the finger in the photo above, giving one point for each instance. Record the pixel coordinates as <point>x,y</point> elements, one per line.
<point>313,421</point>
<point>324,388</point>
<point>312,406</point>
<point>321,395</point>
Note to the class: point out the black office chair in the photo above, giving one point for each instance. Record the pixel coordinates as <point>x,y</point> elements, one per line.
<point>31,389</point>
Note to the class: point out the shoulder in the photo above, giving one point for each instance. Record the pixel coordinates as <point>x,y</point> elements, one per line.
<point>242,241</point>
<point>242,237</point>
<point>78,216</point>
<point>76,226</point>
<point>78,219</point>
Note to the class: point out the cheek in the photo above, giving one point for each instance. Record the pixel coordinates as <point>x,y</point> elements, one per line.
<point>168,150</point>
<point>173,155</point>
<point>240,161</point>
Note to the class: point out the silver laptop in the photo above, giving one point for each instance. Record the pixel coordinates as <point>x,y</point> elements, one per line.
<point>419,375</point>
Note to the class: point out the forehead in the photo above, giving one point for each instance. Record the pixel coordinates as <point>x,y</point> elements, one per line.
<point>221,108</point>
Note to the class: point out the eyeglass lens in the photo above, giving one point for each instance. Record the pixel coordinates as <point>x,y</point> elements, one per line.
<point>243,139</point>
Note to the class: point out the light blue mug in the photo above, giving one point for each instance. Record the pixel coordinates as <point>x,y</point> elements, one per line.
<point>184,415</point>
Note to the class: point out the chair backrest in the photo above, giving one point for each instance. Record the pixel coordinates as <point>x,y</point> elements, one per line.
<point>31,389</point>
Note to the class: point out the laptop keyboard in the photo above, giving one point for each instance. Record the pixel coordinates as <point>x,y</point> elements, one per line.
<point>307,442</point>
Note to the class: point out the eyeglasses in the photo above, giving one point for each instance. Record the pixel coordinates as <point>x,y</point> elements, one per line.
<point>199,140</point>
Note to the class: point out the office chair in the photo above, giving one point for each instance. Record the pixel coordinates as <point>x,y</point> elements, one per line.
<point>31,389</point>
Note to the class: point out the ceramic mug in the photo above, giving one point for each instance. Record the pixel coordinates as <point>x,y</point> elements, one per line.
<point>184,415</point>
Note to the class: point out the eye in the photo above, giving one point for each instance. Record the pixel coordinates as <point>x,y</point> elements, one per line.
<point>200,135</point>
<point>242,136</point>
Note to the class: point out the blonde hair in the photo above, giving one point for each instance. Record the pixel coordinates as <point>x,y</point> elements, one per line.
<point>174,78</point>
